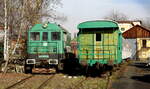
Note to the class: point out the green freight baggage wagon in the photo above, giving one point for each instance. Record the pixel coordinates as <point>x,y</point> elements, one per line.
<point>99,42</point>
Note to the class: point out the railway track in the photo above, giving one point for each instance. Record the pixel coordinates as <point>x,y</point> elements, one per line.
<point>19,82</point>
<point>42,85</point>
<point>45,82</point>
<point>78,84</point>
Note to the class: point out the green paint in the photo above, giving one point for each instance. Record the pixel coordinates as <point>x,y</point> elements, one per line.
<point>45,46</point>
<point>98,24</point>
<point>50,26</point>
<point>108,49</point>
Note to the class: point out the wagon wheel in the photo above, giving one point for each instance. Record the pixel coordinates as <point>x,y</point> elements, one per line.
<point>105,67</point>
<point>60,67</point>
<point>100,68</point>
<point>117,66</point>
<point>87,71</point>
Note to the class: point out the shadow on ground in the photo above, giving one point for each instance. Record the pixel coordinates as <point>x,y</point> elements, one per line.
<point>72,67</point>
<point>145,78</point>
<point>141,65</point>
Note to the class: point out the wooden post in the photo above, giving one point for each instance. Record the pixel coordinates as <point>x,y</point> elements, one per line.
<point>136,50</point>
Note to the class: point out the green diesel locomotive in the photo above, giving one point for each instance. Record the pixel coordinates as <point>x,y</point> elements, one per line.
<point>45,47</point>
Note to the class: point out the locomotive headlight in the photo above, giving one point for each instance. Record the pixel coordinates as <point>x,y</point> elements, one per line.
<point>30,61</point>
<point>45,25</point>
<point>53,61</point>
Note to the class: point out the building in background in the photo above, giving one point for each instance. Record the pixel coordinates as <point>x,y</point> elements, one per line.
<point>74,45</point>
<point>141,35</point>
<point>126,25</point>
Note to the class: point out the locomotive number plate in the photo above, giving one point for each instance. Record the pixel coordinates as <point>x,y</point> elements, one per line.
<point>43,56</point>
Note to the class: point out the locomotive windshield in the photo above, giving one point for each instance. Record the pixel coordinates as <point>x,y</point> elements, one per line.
<point>45,36</point>
<point>55,35</point>
<point>35,36</point>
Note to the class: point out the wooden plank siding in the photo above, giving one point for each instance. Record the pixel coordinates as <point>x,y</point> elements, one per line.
<point>136,32</point>
<point>104,49</point>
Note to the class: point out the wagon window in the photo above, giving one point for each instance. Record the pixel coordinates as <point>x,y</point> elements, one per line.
<point>98,37</point>
<point>35,36</point>
<point>45,36</point>
<point>55,35</point>
<point>144,43</point>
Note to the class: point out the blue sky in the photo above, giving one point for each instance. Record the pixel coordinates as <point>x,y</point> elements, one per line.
<point>145,4</point>
<point>82,10</point>
<point>143,1</point>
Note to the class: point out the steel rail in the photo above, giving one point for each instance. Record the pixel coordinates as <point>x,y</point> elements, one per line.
<point>19,82</point>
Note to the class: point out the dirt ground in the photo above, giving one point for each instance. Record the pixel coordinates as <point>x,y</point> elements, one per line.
<point>135,76</point>
<point>132,76</point>
<point>56,81</point>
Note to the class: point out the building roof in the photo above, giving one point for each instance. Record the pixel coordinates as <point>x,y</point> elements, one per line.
<point>129,21</point>
<point>98,24</point>
<point>137,32</point>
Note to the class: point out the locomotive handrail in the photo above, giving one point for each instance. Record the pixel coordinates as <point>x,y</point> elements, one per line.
<point>87,54</point>
<point>95,58</point>
<point>93,50</point>
<point>96,54</point>
<point>39,48</point>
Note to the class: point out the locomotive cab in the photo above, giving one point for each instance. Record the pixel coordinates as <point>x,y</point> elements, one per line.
<point>45,47</point>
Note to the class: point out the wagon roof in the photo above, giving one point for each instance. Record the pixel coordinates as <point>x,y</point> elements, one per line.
<point>49,26</point>
<point>98,24</point>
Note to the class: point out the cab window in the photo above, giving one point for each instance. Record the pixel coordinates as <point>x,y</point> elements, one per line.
<point>35,36</point>
<point>45,36</point>
<point>55,35</point>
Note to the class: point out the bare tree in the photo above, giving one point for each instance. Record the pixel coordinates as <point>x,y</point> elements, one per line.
<point>21,14</point>
<point>6,55</point>
<point>146,22</point>
<point>27,12</point>
<point>116,16</point>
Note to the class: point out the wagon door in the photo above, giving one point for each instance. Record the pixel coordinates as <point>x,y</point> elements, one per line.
<point>98,46</point>
<point>101,46</point>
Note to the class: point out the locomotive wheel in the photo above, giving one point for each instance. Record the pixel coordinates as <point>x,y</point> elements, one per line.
<point>28,69</point>
<point>117,66</point>
<point>60,67</point>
